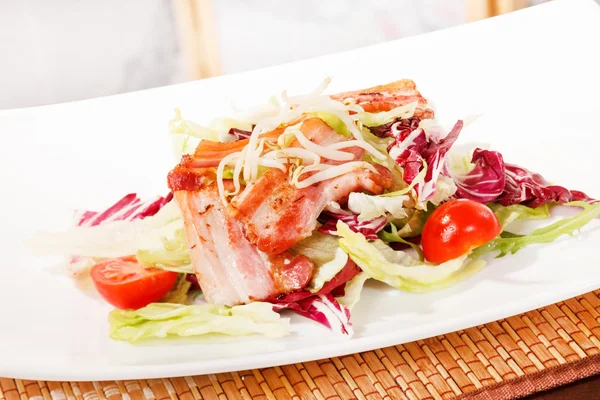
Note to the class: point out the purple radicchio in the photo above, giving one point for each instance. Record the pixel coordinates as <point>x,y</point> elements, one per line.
<point>531,189</point>
<point>493,180</point>
<point>322,306</point>
<point>368,228</point>
<point>418,150</point>
<point>401,127</point>
<point>486,181</point>
<point>240,133</point>
<point>128,208</point>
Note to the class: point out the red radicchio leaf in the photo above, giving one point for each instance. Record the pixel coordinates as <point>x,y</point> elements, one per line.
<point>240,133</point>
<point>493,180</point>
<point>410,152</point>
<point>368,228</point>
<point>193,279</point>
<point>324,309</point>
<point>531,189</point>
<point>129,208</point>
<point>486,181</point>
<point>398,127</point>
<point>322,306</point>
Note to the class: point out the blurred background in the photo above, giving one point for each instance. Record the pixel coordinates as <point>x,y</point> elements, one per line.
<point>66,50</point>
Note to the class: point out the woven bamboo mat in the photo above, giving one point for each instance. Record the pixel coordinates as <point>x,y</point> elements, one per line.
<point>506,359</point>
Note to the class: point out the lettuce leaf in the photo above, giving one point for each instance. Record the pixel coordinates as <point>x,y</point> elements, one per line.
<point>179,292</point>
<point>518,212</point>
<point>218,131</point>
<point>370,207</point>
<point>393,237</point>
<point>113,237</point>
<point>334,122</point>
<point>319,247</point>
<point>325,272</point>
<point>381,118</point>
<point>186,135</point>
<point>352,291</point>
<point>511,243</point>
<point>161,320</point>
<point>174,256</point>
<point>323,250</point>
<point>398,269</point>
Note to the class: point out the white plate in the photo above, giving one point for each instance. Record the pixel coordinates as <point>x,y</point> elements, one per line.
<point>534,74</point>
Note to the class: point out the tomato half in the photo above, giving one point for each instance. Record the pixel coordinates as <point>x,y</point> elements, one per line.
<point>457,227</point>
<point>126,284</point>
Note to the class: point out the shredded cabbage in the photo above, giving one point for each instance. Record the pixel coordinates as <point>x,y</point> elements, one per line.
<point>323,250</point>
<point>325,272</point>
<point>111,239</point>
<point>394,237</point>
<point>334,122</point>
<point>517,212</point>
<point>174,256</point>
<point>398,269</point>
<point>179,292</point>
<point>382,118</point>
<point>352,291</point>
<point>370,207</point>
<point>160,320</point>
<point>445,188</point>
<point>511,243</point>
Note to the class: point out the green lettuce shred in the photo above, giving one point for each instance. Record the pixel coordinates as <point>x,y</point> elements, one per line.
<point>382,118</point>
<point>162,320</point>
<point>398,269</point>
<point>174,256</point>
<point>334,122</point>
<point>324,251</point>
<point>180,126</point>
<point>518,212</point>
<point>179,292</point>
<point>394,237</point>
<point>511,243</point>
<point>352,291</point>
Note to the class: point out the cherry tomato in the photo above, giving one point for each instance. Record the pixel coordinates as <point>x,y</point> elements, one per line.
<point>457,227</point>
<point>126,284</point>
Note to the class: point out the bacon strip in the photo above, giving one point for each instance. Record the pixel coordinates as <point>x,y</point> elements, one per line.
<point>210,154</point>
<point>277,215</point>
<point>389,96</point>
<point>375,99</point>
<point>229,268</point>
<point>241,253</point>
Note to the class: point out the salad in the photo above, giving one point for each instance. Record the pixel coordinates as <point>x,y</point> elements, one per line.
<point>294,205</point>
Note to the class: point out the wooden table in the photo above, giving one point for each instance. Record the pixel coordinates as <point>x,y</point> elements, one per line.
<point>581,390</point>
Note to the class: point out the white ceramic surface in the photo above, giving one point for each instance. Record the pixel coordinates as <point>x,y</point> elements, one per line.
<point>534,75</point>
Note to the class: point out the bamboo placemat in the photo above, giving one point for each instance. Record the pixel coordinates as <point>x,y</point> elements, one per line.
<point>506,359</point>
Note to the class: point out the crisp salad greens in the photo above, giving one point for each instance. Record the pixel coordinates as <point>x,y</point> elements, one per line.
<point>509,242</point>
<point>417,228</point>
<point>398,268</point>
<point>174,256</point>
<point>161,320</point>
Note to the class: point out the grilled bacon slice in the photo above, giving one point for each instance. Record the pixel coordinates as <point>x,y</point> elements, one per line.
<point>229,268</point>
<point>241,252</point>
<point>276,215</point>
<point>389,96</point>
